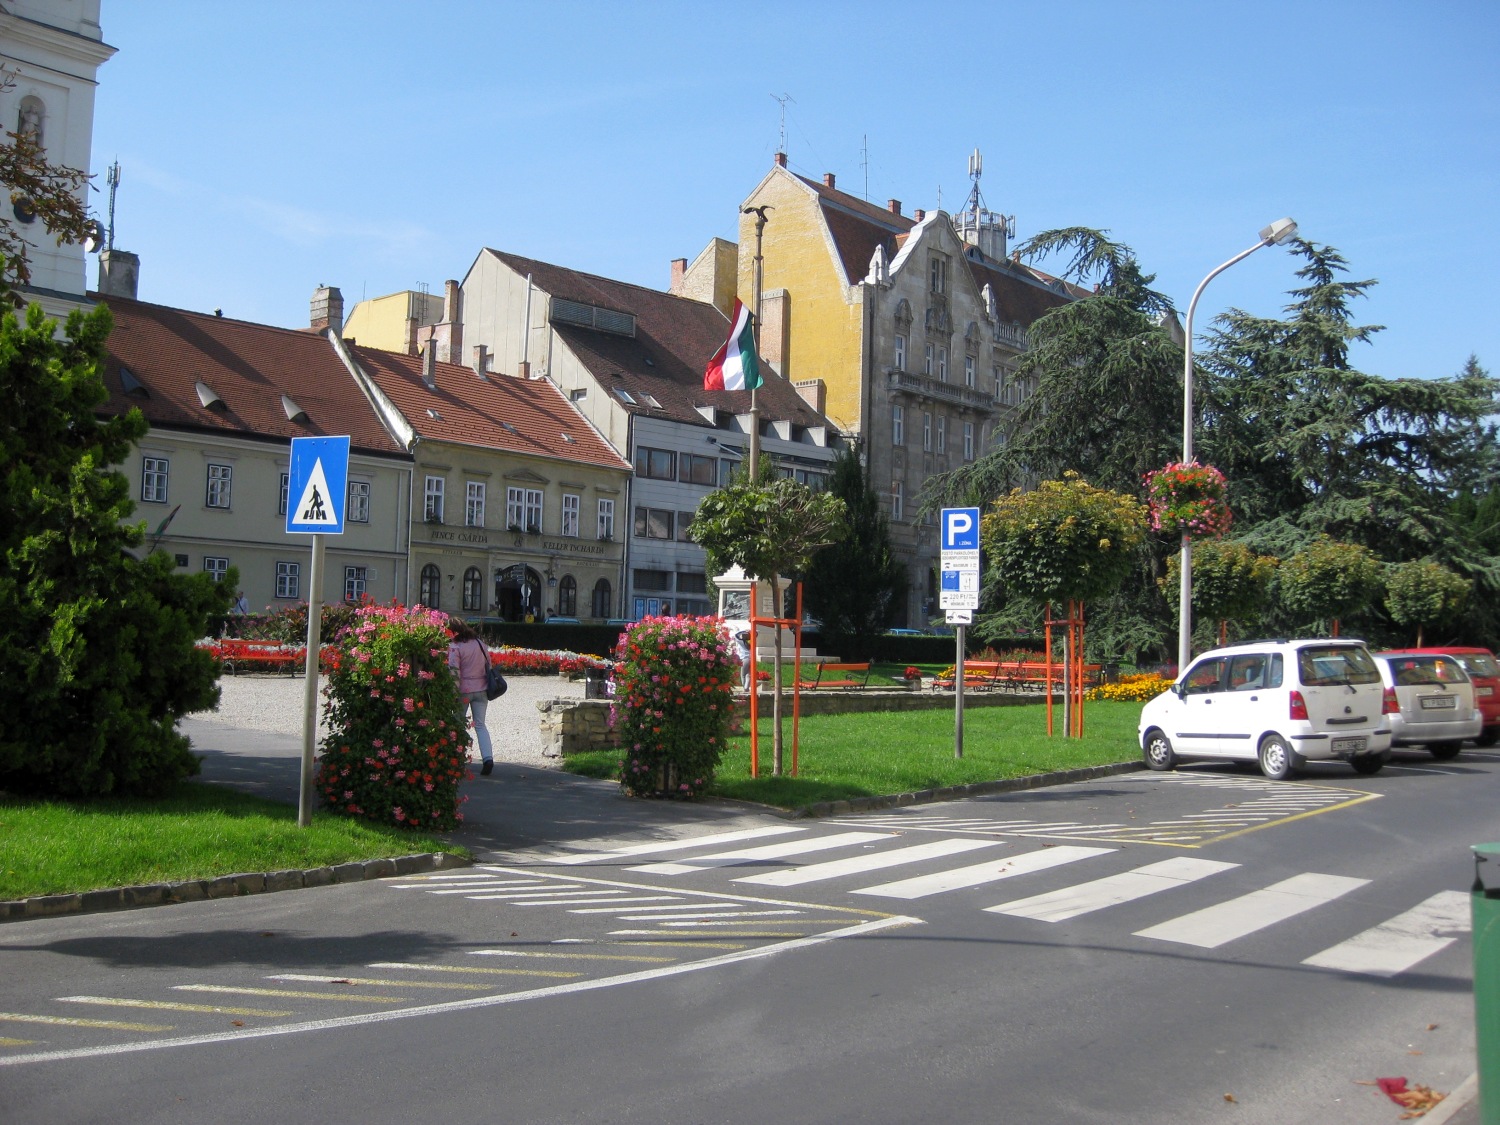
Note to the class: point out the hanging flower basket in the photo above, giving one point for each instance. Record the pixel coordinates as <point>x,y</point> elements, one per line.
<point>1188,499</point>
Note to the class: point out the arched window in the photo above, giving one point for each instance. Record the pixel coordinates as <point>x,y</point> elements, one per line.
<point>567,596</point>
<point>603,598</point>
<point>473,590</point>
<point>432,586</point>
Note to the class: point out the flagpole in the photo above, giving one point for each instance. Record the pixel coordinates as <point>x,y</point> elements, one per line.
<point>760,230</point>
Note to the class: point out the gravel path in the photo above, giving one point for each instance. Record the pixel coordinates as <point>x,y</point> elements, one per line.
<point>274,704</point>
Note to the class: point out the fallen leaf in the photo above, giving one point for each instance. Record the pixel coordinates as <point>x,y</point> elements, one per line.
<point>267,933</point>
<point>1433,1027</point>
<point>1413,1052</point>
<point>514,934</point>
<point>237,1023</point>
<point>1230,1098</point>
<point>341,981</point>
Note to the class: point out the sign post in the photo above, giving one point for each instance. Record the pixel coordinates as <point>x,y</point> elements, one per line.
<point>958,594</point>
<point>316,488</point>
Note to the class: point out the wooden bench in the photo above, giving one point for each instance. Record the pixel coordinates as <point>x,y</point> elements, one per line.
<point>843,676</point>
<point>241,655</point>
<point>1034,674</point>
<point>979,675</point>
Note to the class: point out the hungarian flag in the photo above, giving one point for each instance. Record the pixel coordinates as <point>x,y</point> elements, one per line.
<point>734,366</point>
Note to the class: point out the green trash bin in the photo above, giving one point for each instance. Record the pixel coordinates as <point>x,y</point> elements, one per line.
<point>1485,901</point>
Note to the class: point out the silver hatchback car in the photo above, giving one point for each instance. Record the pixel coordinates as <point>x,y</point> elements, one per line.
<point>1434,704</point>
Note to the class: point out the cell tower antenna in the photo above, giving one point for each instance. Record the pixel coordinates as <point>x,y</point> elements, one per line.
<point>783,99</point>
<point>112,178</point>
<point>864,161</point>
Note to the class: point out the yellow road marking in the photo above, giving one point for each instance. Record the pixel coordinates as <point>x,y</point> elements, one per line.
<point>345,996</point>
<point>69,1021</point>
<point>451,985</point>
<point>169,1006</point>
<point>695,923</point>
<point>568,956</point>
<point>476,969</point>
<point>1298,816</point>
<point>682,942</point>
<point>4,1042</point>
<point>731,933</point>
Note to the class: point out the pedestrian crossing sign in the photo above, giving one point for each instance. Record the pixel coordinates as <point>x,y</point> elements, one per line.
<point>317,485</point>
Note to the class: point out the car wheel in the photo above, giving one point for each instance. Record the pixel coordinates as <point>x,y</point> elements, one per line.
<point>1443,751</point>
<point>1275,758</point>
<point>1368,764</point>
<point>1158,751</point>
<point>1488,737</point>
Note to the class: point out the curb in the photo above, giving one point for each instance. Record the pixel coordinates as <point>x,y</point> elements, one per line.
<point>960,792</point>
<point>1464,1097</point>
<point>224,886</point>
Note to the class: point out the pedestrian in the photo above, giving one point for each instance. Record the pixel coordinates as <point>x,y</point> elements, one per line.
<point>470,662</point>
<point>742,646</point>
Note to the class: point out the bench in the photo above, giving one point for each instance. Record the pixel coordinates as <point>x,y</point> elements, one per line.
<point>979,675</point>
<point>1034,674</point>
<point>843,676</point>
<point>242,655</point>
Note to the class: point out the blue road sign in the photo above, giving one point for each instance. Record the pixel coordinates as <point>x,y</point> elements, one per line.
<point>960,529</point>
<point>317,485</point>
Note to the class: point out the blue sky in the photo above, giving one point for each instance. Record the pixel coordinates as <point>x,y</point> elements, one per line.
<point>378,145</point>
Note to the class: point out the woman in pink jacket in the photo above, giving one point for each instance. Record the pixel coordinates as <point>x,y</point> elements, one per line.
<point>470,662</point>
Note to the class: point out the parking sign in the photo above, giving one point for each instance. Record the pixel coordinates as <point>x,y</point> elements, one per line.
<point>960,529</point>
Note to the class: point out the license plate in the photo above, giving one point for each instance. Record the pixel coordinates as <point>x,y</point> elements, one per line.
<point>1484,691</point>
<point>1348,745</point>
<point>1439,702</point>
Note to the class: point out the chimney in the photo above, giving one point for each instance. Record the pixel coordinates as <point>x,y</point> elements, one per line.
<point>328,309</point>
<point>828,179</point>
<point>781,160</point>
<point>894,205</point>
<point>918,214</point>
<point>119,273</point>
<point>429,368</point>
<point>679,274</point>
<point>482,361</point>
<point>453,305</point>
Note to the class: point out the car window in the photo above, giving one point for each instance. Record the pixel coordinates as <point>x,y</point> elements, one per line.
<point>1479,663</point>
<point>1326,665</point>
<point>1204,677</point>
<point>1273,677</point>
<point>1248,672</point>
<point>1407,671</point>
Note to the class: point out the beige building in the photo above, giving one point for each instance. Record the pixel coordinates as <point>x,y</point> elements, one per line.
<point>395,322</point>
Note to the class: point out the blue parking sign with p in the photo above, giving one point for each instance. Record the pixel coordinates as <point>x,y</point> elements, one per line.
<point>960,529</point>
<point>317,485</point>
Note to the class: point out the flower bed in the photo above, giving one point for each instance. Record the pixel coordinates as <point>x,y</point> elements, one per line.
<point>539,662</point>
<point>1133,688</point>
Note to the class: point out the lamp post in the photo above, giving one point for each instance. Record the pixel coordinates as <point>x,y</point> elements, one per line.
<point>1274,235</point>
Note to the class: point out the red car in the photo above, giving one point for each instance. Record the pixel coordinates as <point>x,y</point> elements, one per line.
<point>1484,670</point>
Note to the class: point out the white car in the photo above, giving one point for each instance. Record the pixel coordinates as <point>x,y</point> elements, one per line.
<point>1434,697</point>
<point>1280,703</point>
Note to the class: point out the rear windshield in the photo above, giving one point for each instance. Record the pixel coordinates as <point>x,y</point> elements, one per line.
<point>1324,665</point>
<point>1408,670</point>
<point>1479,663</point>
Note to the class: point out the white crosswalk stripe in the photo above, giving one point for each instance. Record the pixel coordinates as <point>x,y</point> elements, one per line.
<point>712,840</point>
<point>1085,898</point>
<point>979,874</point>
<point>1403,941</point>
<point>855,865</point>
<point>766,852</point>
<point>1216,925</point>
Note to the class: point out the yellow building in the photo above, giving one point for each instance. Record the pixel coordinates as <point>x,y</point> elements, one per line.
<point>393,323</point>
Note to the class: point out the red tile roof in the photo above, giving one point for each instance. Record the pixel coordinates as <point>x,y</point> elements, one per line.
<point>515,415</point>
<point>248,366</point>
<point>673,342</point>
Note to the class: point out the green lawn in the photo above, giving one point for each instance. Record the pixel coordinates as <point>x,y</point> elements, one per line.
<point>885,753</point>
<point>198,832</point>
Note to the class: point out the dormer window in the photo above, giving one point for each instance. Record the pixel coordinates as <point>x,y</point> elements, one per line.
<point>209,399</point>
<point>294,413</point>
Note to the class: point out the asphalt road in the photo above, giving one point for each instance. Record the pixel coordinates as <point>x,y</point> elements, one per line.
<point>1143,947</point>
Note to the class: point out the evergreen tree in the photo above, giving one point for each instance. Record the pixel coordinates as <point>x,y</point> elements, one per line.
<point>855,586</point>
<point>96,646</point>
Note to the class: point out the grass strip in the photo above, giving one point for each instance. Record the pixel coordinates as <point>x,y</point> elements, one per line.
<point>883,753</point>
<point>198,831</point>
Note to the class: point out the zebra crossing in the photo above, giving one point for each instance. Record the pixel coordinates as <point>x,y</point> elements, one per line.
<point>1061,883</point>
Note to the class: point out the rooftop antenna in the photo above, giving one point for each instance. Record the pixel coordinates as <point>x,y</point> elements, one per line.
<point>112,178</point>
<point>864,161</point>
<point>783,99</point>
<point>977,224</point>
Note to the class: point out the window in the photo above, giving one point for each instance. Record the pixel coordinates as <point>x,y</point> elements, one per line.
<point>727,469</point>
<point>926,432</point>
<point>154,479</point>
<point>604,598</point>
<point>684,521</point>
<point>898,495</point>
<point>942,361</point>
<point>570,515</point>
<point>900,353</point>
<point>926,359</point>
<point>286,483</point>
<point>898,425</point>
<point>939,276</point>
<point>358,508</point>
<point>814,480</point>
<point>217,567</point>
<point>695,469</point>
<point>534,509</point>
<point>567,596</point>
<point>654,580</point>
<point>653,523</point>
<point>356,579</point>
<point>606,519</point>
<point>658,464</point>
<point>692,583</point>
<point>288,579</point>
<point>942,434</point>
<point>968,441</point>
<point>968,371</point>
<point>995,372</point>
<point>431,587</point>
<point>220,477</point>
<point>432,510</point>
<point>474,504</point>
<point>523,509</point>
<point>473,590</point>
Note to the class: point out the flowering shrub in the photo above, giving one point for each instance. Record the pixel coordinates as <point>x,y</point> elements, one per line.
<point>535,662</point>
<point>1134,688</point>
<point>1188,499</point>
<point>673,685</point>
<point>912,673</point>
<point>395,751</point>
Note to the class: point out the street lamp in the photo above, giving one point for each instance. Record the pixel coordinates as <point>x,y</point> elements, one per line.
<point>1274,235</point>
